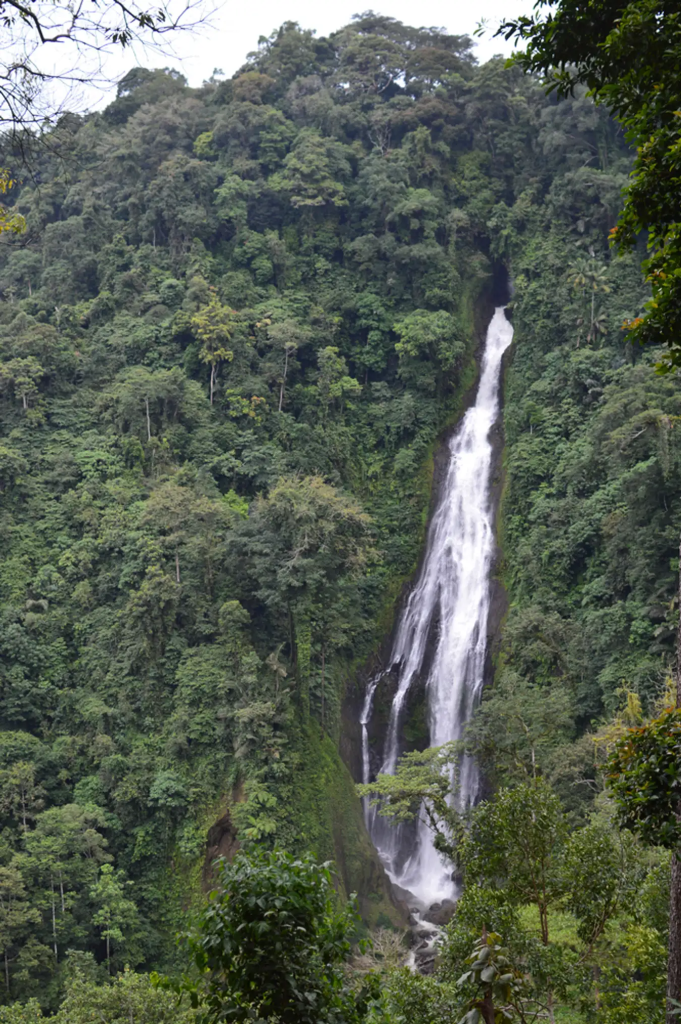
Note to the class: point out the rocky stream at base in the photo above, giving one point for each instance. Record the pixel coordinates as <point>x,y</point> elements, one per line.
<point>425,924</point>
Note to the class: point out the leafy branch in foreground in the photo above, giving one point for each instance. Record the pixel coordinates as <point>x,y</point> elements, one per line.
<point>644,776</point>
<point>423,786</point>
<point>628,56</point>
<point>500,991</point>
<point>272,944</point>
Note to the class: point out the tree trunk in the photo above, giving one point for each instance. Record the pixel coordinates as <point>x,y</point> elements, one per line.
<point>549,1007</point>
<point>292,639</point>
<point>54,924</point>
<point>544,921</point>
<point>486,1007</point>
<point>591,328</point>
<point>323,680</point>
<point>674,953</point>
<point>283,382</point>
<point>146,405</point>
<point>6,973</point>
<point>177,567</point>
<point>212,382</point>
<point>678,642</point>
<point>674,958</point>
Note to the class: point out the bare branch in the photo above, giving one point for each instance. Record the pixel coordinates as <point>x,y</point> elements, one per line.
<point>37,35</point>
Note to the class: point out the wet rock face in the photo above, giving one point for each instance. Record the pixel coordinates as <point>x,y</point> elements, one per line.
<point>426,935</point>
<point>222,842</point>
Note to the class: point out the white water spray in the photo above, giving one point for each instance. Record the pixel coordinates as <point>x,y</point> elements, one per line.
<point>452,592</point>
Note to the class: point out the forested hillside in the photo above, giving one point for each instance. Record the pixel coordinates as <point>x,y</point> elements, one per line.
<point>237,322</point>
<point>592,503</point>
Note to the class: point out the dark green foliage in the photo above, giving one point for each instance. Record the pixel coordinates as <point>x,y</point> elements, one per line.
<point>230,336</point>
<point>628,56</point>
<point>644,776</point>
<point>271,943</point>
<point>592,496</point>
<point>500,992</point>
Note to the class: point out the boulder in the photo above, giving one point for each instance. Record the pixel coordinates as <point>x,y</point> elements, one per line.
<point>440,913</point>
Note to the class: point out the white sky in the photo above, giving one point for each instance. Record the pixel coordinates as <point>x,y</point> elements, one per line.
<point>236,26</point>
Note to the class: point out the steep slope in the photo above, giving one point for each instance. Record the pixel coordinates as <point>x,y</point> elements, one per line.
<point>592,503</point>
<point>238,321</point>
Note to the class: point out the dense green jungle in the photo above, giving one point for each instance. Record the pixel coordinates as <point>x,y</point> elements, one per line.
<point>237,325</point>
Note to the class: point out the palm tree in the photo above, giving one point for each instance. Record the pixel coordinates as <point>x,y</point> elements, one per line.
<point>589,277</point>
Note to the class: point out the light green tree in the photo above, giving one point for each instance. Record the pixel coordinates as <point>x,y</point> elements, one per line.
<point>429,345</point>
<point>590,278</point>
<point>129,999</point>
<point>333,382</point>
<point>116,915</point>
<point>20,794</point>
<point>213,326</point>
<point>22,1013</point>
<point>22,377</point>
<point>307,175</point>
<point>63,852</point>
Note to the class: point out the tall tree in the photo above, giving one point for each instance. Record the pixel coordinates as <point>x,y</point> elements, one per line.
<point>213,326</point>
<point>64,851</point>
<point>116,915</point>
<point>17,917</point>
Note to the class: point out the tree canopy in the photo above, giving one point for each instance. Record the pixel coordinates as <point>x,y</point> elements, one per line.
<point>628,56</point>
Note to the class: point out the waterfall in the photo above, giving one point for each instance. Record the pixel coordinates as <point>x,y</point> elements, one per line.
<point>450,598</point>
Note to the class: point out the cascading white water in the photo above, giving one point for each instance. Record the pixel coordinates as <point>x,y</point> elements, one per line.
<point>453,592</point>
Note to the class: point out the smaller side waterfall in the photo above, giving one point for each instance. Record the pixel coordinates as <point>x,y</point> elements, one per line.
<point>365,718</point>
<point>451,594</point>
